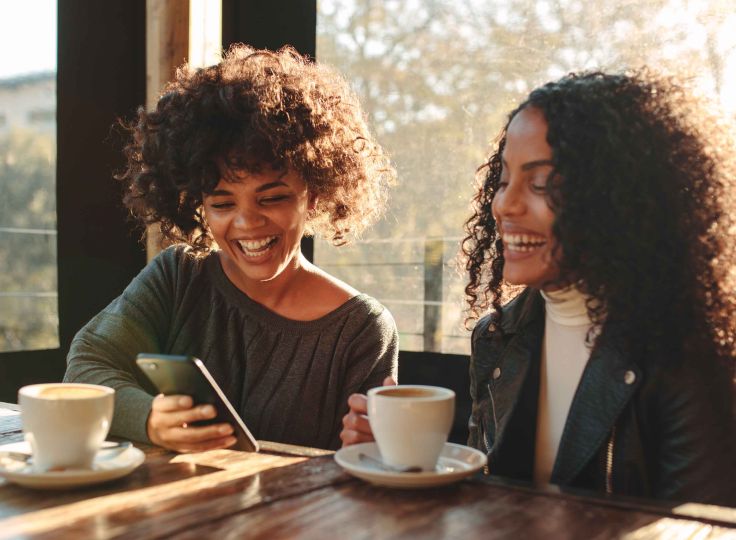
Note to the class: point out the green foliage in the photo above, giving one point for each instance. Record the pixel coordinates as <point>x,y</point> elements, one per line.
<point>28,280</point>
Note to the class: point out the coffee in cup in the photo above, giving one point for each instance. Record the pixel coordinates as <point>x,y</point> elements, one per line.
<point>411,423</point>
<point>65,423</point>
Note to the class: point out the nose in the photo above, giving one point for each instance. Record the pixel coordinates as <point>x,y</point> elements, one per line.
<point>250,218</point>
<point>510,201</point>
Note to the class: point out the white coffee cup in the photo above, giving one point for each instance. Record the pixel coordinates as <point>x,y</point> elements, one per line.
<point>65,423</point>
<point>411,423</point>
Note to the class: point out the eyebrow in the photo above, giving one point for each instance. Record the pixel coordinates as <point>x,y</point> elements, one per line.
<point>259,189</point>
<point>270,185</point>
<point>537,163</point>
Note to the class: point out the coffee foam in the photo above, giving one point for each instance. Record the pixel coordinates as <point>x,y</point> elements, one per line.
<point>69,392</point>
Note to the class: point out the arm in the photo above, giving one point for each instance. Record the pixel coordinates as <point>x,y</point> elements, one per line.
<point>473,439</point>
<point>378,343</point>
<point>697,451</point>
<point>103,352</point>
<point>384,347</point>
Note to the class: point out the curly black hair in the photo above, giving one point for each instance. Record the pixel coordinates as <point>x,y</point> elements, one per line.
<point>256,108</point>
<point>642,195</point>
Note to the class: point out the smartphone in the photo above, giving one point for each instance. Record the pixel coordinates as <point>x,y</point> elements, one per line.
<point>187,375</point>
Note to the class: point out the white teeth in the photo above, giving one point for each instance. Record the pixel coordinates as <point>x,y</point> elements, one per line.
<point>253,248</point>
<point>523,242</point>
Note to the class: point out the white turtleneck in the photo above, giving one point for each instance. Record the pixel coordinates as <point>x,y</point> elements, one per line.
<point>565,353</point>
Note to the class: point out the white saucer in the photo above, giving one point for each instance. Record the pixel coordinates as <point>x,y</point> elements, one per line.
<point>103,469</point>
<point>456,462</point>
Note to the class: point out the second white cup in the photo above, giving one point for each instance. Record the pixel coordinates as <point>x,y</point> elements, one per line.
<point>411,423</point>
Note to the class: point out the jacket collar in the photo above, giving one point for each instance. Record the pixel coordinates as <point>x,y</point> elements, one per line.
<point>524,310</point>
<point>602,393</point>
<point>522,323</point>
<point>606,386</point>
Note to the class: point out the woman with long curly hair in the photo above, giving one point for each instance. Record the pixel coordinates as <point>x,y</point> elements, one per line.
<point>237,163</point>
<point>608,198</point>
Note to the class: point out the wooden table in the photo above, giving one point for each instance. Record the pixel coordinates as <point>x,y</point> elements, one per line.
<point>295,492</point>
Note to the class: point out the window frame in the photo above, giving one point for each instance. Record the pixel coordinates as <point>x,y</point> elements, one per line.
<point>101,76</point>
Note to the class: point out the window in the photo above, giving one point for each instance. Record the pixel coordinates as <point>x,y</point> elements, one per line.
<point>42,116</point>
<point>28,281</point>
<point>438,77</point>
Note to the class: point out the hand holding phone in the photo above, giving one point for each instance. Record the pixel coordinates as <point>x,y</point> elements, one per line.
<point>174,423</point>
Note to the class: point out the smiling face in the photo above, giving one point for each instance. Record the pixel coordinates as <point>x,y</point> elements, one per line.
<point>257,220</point>
<point>524,218</point>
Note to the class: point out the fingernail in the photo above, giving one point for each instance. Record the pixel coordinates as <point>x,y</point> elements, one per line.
<point>183,402</point>
<point>230,441</point>
<point>208,410</point>
<point>225,430</point>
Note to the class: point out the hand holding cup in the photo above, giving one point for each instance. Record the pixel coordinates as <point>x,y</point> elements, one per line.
<point>355,426</point>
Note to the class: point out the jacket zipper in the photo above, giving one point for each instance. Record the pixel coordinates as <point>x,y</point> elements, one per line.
<point>483,434</point>
<point>609,462</point>
<point>486,470</point>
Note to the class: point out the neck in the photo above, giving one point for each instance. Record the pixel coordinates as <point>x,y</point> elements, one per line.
<point>278,291</point>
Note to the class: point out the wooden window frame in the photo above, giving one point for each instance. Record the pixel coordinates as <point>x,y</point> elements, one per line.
<point>101,76</point>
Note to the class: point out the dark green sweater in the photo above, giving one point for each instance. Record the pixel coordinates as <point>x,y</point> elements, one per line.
<point>289,380</point>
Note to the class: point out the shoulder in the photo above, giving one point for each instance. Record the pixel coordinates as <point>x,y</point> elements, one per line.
<point>325,291</point>
<point>484,328</point>
<point>524,307</point>
<point>369,329</point>
<point>177,257</point>
<point>336,296</point>
<point>367,315</point>
<point>180,263</point>
<point>375,312</point>
<point>174,273</point>
<point>364,323</point>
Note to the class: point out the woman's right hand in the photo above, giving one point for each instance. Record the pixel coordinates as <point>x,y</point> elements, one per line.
<point>169,425</point>
<point>355,426</point>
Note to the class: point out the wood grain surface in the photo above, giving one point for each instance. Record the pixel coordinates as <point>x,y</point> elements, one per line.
<point>295,492</point>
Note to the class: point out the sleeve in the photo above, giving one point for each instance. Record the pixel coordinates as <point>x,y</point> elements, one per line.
<point>380,342</point>
<point>697,437</point>
<point>373,356</point>
<point>473,440</point>
<point>104,350</point>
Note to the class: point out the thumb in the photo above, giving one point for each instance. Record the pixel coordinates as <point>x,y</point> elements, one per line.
<point>389,381</point>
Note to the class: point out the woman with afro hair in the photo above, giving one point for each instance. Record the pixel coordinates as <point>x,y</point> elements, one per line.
<point>605,212</point>
<point>609,199</point>
<point>236,164</point>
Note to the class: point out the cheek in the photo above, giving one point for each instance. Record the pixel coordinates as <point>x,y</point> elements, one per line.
<point>291,221</point>
<point>494,205</point>
<point>545,216</point>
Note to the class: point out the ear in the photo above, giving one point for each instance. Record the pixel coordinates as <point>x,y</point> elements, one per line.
<point>312,202</point>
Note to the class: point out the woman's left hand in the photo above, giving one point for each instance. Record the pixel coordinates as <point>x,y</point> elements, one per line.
<point>355,426</point>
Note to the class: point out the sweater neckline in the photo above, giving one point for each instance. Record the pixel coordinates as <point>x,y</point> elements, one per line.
<point>235,296</point>
<point>567,306</point>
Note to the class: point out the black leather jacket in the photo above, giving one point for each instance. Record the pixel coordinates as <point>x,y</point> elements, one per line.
<point>632,428</point>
